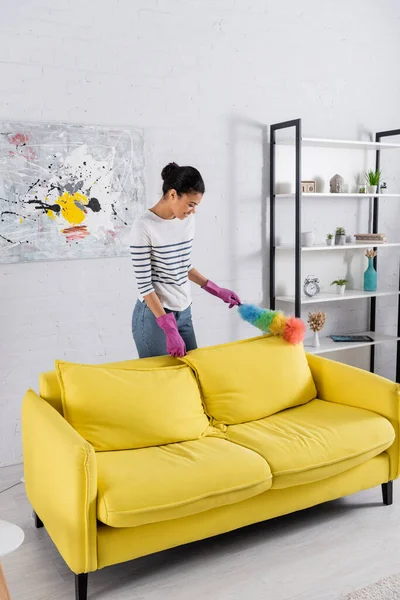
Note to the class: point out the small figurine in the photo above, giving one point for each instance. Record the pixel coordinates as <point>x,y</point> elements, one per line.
<point>383,188</point>
<point>336,184</point>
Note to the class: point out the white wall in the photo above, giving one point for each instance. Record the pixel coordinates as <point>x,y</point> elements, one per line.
<point>203,78</point>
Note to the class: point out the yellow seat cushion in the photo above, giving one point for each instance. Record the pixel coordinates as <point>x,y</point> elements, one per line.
<point>251,379</point>
<point>50,390</point>
<point>117,409</point>
<point>156,484</point>
<point>318,440</point>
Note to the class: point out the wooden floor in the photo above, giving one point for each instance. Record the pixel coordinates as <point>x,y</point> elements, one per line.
<point>317,554</point>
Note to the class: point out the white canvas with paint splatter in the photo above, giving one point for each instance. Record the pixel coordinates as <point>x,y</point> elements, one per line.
<point>68,191</point>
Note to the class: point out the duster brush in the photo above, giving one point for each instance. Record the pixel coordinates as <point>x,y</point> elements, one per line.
<point>274,322</point>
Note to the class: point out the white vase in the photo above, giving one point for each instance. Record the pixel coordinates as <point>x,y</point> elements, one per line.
<point>329,242</point>
<point>371,189</point>
<point>307,238</point>
<point>340,289</point>
<point>315,341</point>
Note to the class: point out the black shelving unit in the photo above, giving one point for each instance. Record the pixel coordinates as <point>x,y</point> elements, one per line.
<point>296,124</point>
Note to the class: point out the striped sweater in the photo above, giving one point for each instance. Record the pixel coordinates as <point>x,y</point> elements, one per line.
<point>161,257</point>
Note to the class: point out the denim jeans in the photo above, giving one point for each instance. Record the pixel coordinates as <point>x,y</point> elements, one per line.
<point>150,339</point>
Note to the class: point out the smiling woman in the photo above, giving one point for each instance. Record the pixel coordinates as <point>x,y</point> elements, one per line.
<point>161,245</point>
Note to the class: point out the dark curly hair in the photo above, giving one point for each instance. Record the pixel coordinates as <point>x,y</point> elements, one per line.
<point>185,180</point>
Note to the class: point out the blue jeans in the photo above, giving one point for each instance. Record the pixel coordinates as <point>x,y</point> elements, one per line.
<point>150,339</point>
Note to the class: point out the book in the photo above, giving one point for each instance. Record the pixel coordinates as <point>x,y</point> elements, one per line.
<point>370,238</point>
<point>351,338</point>
<point>372,242</point>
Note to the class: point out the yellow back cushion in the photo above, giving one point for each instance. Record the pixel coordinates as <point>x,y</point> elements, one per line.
<point>118,409</point>
<point>252,379</point>
<point>49,386</point>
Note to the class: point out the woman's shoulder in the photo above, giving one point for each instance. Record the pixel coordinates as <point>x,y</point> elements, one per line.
<point>190,222</point>
<point>139,230</point>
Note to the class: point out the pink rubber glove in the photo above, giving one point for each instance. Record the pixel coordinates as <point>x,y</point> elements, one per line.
<point>175,344</point>
<point>227,296</point>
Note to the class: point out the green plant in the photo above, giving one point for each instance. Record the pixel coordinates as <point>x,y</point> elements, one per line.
<point>329,236</point>
<point>340,282</point>
<point>373,177</point>
<point>340,231</point>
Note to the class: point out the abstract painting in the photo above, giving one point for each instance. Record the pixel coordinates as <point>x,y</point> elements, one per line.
<point>68,191</point>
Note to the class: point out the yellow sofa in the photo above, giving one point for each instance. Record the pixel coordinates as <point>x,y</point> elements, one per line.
<point>127,459</point>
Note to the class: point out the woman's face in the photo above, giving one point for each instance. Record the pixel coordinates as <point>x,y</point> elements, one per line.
<point>185,205</point>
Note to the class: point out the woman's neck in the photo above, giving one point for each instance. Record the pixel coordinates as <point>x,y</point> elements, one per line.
<point>162,210</point>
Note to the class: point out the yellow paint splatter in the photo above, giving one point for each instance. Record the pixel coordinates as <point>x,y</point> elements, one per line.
<point>21,220</point>
<point>69,210</point>
<point>51,215</point>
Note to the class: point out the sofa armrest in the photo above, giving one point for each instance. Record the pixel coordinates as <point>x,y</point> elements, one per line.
<point>344,384</point>
<point>61,482</point>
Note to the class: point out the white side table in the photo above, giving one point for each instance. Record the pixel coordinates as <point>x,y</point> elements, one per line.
<point>11,537</point>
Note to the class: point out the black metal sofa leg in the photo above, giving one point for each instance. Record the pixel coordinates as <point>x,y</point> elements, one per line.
<point>387,493</point>
<point>81,585</point>
<point>38,522</point>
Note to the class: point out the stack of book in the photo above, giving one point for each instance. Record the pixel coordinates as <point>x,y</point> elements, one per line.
<point>370,238</point>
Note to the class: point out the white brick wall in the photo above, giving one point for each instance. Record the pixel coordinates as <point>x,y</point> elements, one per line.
<point>202,77</point>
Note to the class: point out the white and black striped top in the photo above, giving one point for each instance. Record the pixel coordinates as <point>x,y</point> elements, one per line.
<point>161,257</point>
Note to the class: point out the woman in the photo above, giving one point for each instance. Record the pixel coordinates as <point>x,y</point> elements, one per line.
<point>161,244</point>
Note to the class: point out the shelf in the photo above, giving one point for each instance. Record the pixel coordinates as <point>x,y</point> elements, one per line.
<point>355,246</point>
<point>328,345</point>
<point>332,143</point>
<point>331,195</point>
<point>332,297</point>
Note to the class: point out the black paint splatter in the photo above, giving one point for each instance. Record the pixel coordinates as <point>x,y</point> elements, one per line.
<point>10,212</point>
<point>45,207</point>
<point>94,205</point>
<point>117,215</point>
<point>33,185</point>
<point>7,240</point>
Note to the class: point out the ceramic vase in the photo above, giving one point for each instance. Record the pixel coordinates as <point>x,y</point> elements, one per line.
<point>315,341</point>
<point>371,189</point>
<point>340,240</point>
<point>370,277</point>
<point>307,238</point>
<point>340,289</point>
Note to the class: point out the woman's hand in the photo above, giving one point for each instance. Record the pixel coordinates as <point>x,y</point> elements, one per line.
<point>224,294</point>
<point>175,344</point>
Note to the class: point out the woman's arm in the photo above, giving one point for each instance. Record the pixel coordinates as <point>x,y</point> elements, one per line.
<point>154,304</point>
<point>140,248</point>
<point>167,322</point>
<point>212,288</point>
<point>197,277</point>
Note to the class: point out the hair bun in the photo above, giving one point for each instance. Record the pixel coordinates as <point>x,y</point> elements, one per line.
<point>166,172</point>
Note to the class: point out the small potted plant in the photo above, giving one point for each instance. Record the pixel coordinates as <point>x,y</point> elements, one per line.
<point>329,239</point>
<point>372,178</point>
<point>340,236</point>
<point>316,321</point>
<point>340,285</point>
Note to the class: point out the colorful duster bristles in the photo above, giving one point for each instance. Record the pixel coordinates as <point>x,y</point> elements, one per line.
<point>274,322</point>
